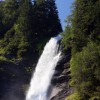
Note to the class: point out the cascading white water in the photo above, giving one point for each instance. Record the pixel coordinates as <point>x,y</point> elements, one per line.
<point>44,71</point>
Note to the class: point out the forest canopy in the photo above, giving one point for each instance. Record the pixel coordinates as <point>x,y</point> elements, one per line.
<point>24,24</point>
<point>82,37</point>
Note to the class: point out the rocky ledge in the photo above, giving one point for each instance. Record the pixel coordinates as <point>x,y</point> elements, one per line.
<point>60,80</point>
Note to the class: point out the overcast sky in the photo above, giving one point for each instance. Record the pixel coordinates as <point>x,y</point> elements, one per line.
<point>64,9</point>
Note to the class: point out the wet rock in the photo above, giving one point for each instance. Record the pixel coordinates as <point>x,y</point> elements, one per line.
<point>60,80</point>
<point>62,94</point>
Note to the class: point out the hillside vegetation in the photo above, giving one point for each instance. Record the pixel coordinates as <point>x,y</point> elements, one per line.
<point>25,27</point>
<point>24,24</point>
<point>82,37</point>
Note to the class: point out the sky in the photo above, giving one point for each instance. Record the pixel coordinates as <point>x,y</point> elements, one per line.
<point>64,9</point>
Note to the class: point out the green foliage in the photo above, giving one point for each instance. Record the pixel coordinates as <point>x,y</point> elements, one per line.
<point>95,98</point>
<point>25,25</point>
<point>2,51</point>
<point>74,96</point>
<point>46,15</point>
<point>10,13</point>
<point>40,45</point>
<point>9,35</point>
<point>68,38</point>
<point>84,23</point>
<point>23,49</point>
<point>83,37</point>
<point>2,59</point>
<point>11,49</point>
<point>85,70</point>
<point>28,69</point>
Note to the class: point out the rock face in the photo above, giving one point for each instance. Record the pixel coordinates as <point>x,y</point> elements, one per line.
<point>60,80</point>
<point>13,79</point>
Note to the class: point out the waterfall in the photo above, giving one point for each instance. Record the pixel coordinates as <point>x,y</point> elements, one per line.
<point>44,71</point>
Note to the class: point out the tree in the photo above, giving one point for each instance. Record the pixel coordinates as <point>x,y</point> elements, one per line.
<point>1,17</point>
<point>23,27</point>
<point>53,19</point>
<point>46,14</point>
<point>85,21</point>
<point>85,71</point>
<point>10,13</point>
<point>22,32</point>
<point>28,23</point>
<point>83,36</point>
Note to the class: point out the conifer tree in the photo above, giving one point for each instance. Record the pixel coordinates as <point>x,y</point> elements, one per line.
<point>83,37</point>
<point>1,17</point>
<point>47,15</point>
<point>23,27</point>
<point>85,16</point>
<point>53,19</point>
<point>10,12</point>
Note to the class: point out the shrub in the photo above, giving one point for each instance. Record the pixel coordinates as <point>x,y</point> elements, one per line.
<point>74,96</point>
<point>85,69</point>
